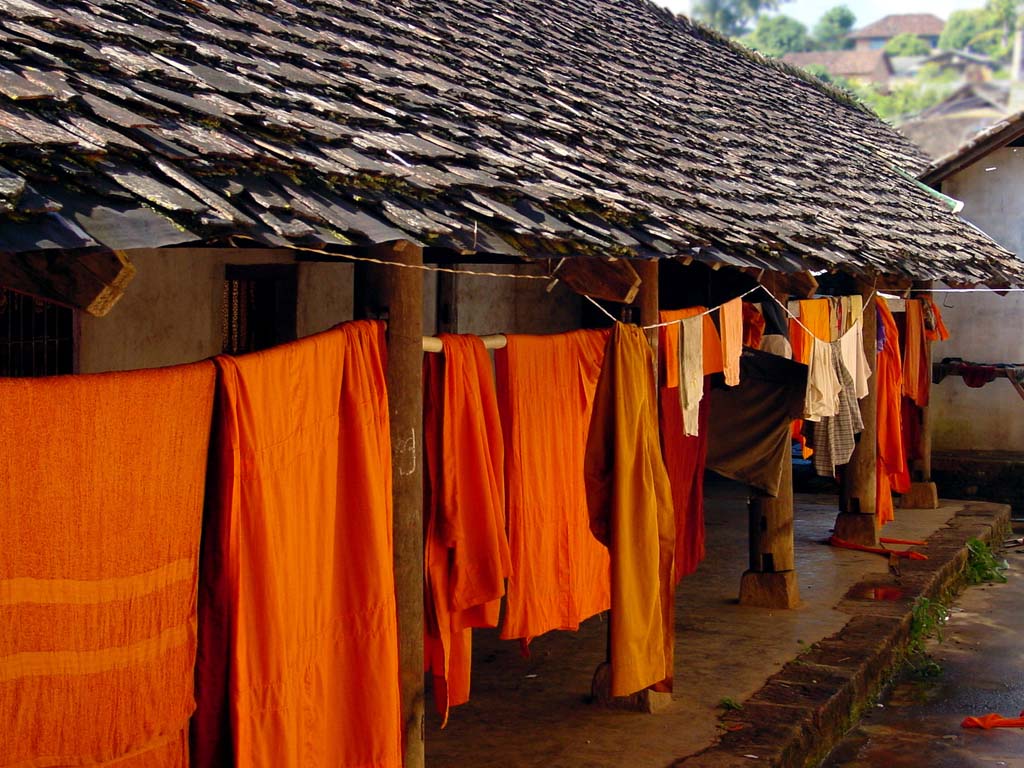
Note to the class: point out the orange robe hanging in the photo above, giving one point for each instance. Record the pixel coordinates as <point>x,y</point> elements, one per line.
<point>630,502</point>
<point>916,357</point>
<point>685,455</point>
<point>299,556</point>
<point>102,493</point>
<point>560,573</point>
<point>816,315</point>
<point>891,471</point>
<point>466,555</point>
<point>730,318</point>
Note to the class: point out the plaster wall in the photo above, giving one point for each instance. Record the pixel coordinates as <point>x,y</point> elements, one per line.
<point>170,312</point>
<point>496,305</point>
<point>984,327</point>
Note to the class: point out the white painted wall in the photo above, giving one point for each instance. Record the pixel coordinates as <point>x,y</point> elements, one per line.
<point>984,327</point>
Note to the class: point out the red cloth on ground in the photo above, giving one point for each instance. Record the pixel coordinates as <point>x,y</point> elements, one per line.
<point>299,608</point>
<point>560,572</point>
<point>835,541</point>
<point>466,550</point>
<point>993,720</point>
<point>101,492</point>
<point>891,470</point>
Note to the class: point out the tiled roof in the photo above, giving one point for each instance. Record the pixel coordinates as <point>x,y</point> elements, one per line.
<point>996,136</point>
<point>901,23</point>
<point>575,127</point>
<point>849,63</point>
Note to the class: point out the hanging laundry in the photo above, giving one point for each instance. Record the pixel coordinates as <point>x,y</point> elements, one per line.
<point>685,456</point>
<point>824,386</point>
<point>753,325</point>
<point>298,561</point>
<point>668,343</point>
<point>102,497</point>
<point>934,327</point>
<point>891,471</point>
<point>852,349</point>
<point>630,503</point>
<point>691,373</point>
<point>466,555</point>
<point>749,438</point>
<point>730,318</point>
<point>560,572</point>
<point>916,355</point>
<point>834,436</point>
<point>814,314</point>
<point>775,321</point>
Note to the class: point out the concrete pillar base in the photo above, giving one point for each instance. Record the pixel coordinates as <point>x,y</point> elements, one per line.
<point>651,702</point>
<point>920,496</point>
<point>857,528</point>
<point>778,589</point>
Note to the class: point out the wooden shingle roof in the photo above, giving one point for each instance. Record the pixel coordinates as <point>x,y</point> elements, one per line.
<point>574,127</point>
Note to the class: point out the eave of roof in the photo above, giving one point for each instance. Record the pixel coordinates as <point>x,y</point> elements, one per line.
<point>995,137</point>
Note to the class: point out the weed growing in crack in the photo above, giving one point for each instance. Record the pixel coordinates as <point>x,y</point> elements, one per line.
<point>926,620</point>
<point>982,565</point>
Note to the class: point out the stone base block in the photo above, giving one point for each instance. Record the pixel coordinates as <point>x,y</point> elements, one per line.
<point>769,590</point>
<point>920,496</point>
<point>651,702</point>
<point>857,528</point>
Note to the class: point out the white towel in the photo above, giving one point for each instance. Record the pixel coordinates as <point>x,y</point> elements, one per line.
<point>691,372</point>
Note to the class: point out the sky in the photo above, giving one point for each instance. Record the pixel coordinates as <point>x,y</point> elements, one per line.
<point>866,11</point>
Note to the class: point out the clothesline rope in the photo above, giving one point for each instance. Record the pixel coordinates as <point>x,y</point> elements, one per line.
<point>672,322</point>
<point>426,267</point>
<point>796,318</point>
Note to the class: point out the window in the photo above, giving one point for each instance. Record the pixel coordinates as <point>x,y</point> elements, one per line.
<point>36,336</point>
<point>258,307</point>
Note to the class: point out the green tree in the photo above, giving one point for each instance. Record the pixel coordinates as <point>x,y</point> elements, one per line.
<point>731,17</point>
<point>778,35</point>
<point>987,30</point>
<point>907,44</point>
<point>832,28</point>
<point>961,28</point>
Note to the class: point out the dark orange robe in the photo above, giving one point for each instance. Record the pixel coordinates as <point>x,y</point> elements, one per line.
<point>101,492</point>
<point>299,553</point>
<point>560,573</point>
<point>891,471</point>
<point>630,502</point>
<point>816,316</point>
<point>916,357</point>
<point>466,555</point>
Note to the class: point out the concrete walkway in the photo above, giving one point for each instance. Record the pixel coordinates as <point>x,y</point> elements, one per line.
<point>536,711</point>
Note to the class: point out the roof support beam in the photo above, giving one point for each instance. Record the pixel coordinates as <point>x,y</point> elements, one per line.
<point>92,281</point>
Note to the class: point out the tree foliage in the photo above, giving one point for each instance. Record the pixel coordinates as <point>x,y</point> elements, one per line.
<point>731,17</point>
<point>832,28</point>
<point>907,44</point>
<point>778,35</point>
<point>987,30</point>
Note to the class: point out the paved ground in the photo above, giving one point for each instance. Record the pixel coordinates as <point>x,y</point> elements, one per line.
<point>534,712</point>
<point>982,657</point>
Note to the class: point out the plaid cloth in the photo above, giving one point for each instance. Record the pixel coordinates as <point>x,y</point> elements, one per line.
<point>834,435</point>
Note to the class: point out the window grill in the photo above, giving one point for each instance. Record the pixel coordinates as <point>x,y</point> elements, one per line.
<point>36,336</point>
<point>258,307</point>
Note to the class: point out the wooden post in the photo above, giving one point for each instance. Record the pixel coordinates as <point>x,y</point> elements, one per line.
<point>647,700</point>
<point>396,294</point>
<point>857,521</point>
<point>771,581</point>
<point>923,493</point>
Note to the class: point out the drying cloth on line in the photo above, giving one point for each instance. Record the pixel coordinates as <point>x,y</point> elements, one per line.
<point>992,720</point>
<point>891,463</point>
<point>684,459</point>
<point>668,344</point>
<point>834,435</point>
<point>916,357</point>
<point>814,314</point>
<point>977,376</point>
<point>934,327</point>
<point>691,373</point>
<point>466,551</point>
<point>630,502</point>
<point>102,497</point>
<point>749,432</point>
<point>852,350</point>
<point>824,387</point>
<point>730,320</point>
<point>775,320</point>
<point>560,572</point>
<point>298,608</point>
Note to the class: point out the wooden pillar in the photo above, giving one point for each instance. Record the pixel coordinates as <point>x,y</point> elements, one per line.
<point>396,295</point>
<point>857,521</point>
<point>771,581</point>
<point>923,493</point>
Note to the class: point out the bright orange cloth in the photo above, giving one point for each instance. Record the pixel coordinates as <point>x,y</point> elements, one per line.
<point>560,573</point>
<point>815,314</point>
<point>993,720</point>
<point>101,492</point>
<point>753,325</point>
<point>300,558</point>
<point>684,455</point>
<point>668,343</point>
<point>466,555</point>
<point>630,503</point>
<point>891,471</point>
<point>730,321</point>
<point>916,357</point>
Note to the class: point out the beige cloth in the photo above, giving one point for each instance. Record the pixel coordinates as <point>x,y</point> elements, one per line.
<point>691,373</point>
<point>823,385</point>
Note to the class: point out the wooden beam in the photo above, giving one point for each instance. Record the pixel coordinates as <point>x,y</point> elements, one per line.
<point>610,279</point>
<point>92,281</point>
<point>396,294</point>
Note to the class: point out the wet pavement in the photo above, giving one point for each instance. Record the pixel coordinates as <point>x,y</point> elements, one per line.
<point>536,712</point>
<point>982,658</point>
